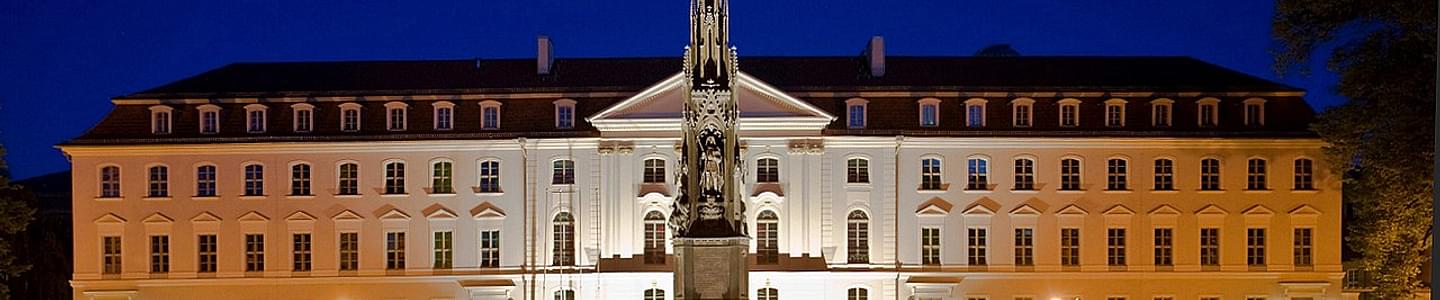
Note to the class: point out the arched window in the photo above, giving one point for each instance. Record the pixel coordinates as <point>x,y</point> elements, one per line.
<point>767,294</point>
<point>858,237</point>
<point>857,294</point>
<point>303,117</point>
<point>441,181</point>
<point>930,174</point>
<point>255,118</point>
<point>654,170</point>
<point>444,115</point>
<point>254,180</point>
<point>564,240</point>
<point>160,119</point>
<point>857,170</point>
<point>205,181</point>
<point>1116,174</point>
<point>1024,174</point>
<point>350,117</point>
<point>1255,175</point>
<point>654,238</point>
<point>300,180</point>
<point>159,182</point>
<point>209,118</point>
<point>348,179</point>
<point>975,113</point>
<point>564,114</point>
<point>490,176</point>
<point>1070,174</point>
<point>396,116</point>
<point>767,170</point>
<point>978,173</point>
<point>654,294</point>
<point>1209,112</point>
<point>490,114</point>
<point>1164,174</point>
<point>1024,112</point>
<point>395,178</point>
<point>929,112</point>
<point>565,295</point>
<point>1069,112</point>
<point>1210,174</point>
<point>767,238</point>
<point>1160,112</point>
<point>1254,112</point>
<point>1115,112</point>
<point>855,110</point>
<point>1304,174</point>
<point>562,172</point>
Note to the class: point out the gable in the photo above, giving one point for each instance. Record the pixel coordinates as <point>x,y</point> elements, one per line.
<point>347,215</point>
<point>253,216</point>
<point>934,207</point>
<point>762,107</point>
<point>1026,210</point>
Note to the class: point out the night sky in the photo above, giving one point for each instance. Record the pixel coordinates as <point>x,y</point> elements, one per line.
<point>61,60</point>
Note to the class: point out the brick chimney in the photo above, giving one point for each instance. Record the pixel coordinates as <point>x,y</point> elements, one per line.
<point>544,58</point>
<point>874,55</point>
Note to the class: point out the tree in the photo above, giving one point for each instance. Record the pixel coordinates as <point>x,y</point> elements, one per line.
<point>15,215</point>
<point>1382,136</point>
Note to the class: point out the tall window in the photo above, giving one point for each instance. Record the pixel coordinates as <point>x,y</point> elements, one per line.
<point>349,251</point>
<point>159,181</point>
<point>395,250</point>
<point>349,179</point>
<point>1116,175</point>
<point>654,238</point>
<point>1115,114</point>
<point>110,254</point>
<point>159,254</point>
<point>1255,175</point>
<point>304,117</point>
<point>767,170</point>
<point>930,114</point>
<point>930,245</point>
<point>1070,246</point>
<point>1254,113</point>
<point>490,249</point>
<point>855,113</point>
<point>979,174</point>
<point>206,249</point>
<point>350,118</point>
<point>254,180</point>
<point>1303,247</point>
<point>490,116</point>
<point>441,178</point>
<point>767,294</point>
<point>1208,117</point>
<point>1164,247</point>
<point>1210,246</point>
<point>1024,246</point>
<point>1210,174</point>
<point>975,114</point>
<point>110,182</point>
<point>930,174</point>
<point>562,172</point>
<point>205,181</point>
<point>564,114</point>
<point>1023,112</point>
<point>858,237</point>
<point>1164,175</point>
<point>444,249</point>
<point>564,238</point>
<point>767,238</point>
<point>255,117</point>
<point>1024,174</point>
<point>210,121</point>
<point>1160,113</point>
<point>654,294</point>
<point>1304,174</point>
<point>1115,246</point>
<point>857,170</point>
<point>396,116</point>
<point>254,253</point>
<point>1255,246</point>
<point>857,294</point>
<point>300,180</point>
<point>160,120</point>
<point>565,295</point>
<point>489,176</point>
<point>1069,114</point>
<point>654,170</point>
<point>444,117</point>
<point>1070,174</point>
<point>300,252</point>
<point>976,249</point>
<point>395,178</point>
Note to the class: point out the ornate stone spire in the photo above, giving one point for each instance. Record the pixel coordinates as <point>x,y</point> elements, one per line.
<point>709,202</point>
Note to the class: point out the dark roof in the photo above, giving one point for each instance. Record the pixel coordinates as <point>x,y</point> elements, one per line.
<point>1022,73</point>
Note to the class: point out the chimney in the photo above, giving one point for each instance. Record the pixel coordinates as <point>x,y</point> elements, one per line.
<point>875,56</point>
<point>544,59</point>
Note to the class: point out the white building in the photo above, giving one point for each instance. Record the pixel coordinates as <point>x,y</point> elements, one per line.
<point>871,177</point>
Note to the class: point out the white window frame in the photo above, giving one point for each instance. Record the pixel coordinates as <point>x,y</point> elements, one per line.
<point>483,176</point>
<point>346,108</point>
<point>972,103</point>
<point>1156,116</point>
<point>1259,104</point>
<point>487,105</point>
<point>929,102</point>
<point>977,173</point>
<point>1115,103</point>
<point>1068,102</point>
<point>397,109</point>
<point>448,119</point>
<point>938,174</point>
<point>850,118</point>
<point>254,111</point>
<point>1028,115</point>
<point>214,123</point>
<point>1214,118</point>
<point>561,121</point>
<point>308,118</point>
<point>162,119</point>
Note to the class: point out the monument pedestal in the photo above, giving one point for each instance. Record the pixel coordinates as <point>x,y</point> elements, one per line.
<point>712,268</point>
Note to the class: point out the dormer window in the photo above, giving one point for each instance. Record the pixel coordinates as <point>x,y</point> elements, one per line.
<point>1069,112</point>
<point>255,118</point>
<point>490,114</point>
<point>350,117</point>
<point>1209,112</point>
<point>1115,112</point>
<point>209,119</point>
<point>1160,112</point>
<point>855,110</point>
<point>564,114</point>
<point>160,119</point>
<point>929,112</point>
<point>395,114</point>
<point>1024,110</point>
<point>304,117</point>
<point>1254,112</point>
<point>444,115</point>
<point>975,113</point>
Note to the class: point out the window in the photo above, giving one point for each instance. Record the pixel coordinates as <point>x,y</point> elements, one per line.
<point>1160,112</point>
<point>350,117</point>
<point>1115,246</point>
<point>767,294</point>
<point>209,119</point>
<point>304,115</point>
<point>441,178</point>
<point>1070,246</point>
<point>254,253</point>
<point>110,182</point>
<point>1304,174</point>
<point>1024,174</point>
<point>444,249</point>
<point>1024,246</point>
<point>857,294</point>
<point>205,181</point>
<point>855,112</point>
<point>159,254</point>
<point>976,249</point>
<point>489,176</point>
<point>349,179</point>
<point>1254,112</point>
<point>255,115</point>
<point>490,249</point>
<point>654,170</point>
<point>1164,175</point>
<point>349,251</point>
<point>300,180</point>
<point>858,237</point>
<point>254,180</point>
<point>159,181</point>
<point>857,170</point>
<point>562,172</point>
<point>654,294</point>
<point>979,174</point>
<point>1069,113</point>
<point>929,112</point>
<point>1116,175</point>
<point>1209,110</point>
<point>930,174</point>
<point>1210,246</point>
<point>160,119</point>
<point>654,238</point>
<point>1024,112</point>
<point>1164,247</point>
<point>1210,174</point>
<point>565,295</point>
<point>1255,246</point>
<point>300,252</point>
<point>930,246</point>
<point>206,252</point>
<point>489,114</point>
<point>395,250</point>
<point>1115,113</point>
<point>1070,174</point>
<point>564,114</point>
<point>564,240</point>
<point>395,178</point>
<point>1255,175</point>
<point>110,255</point>
<point>975,113</point>
<point>767,170</point>
<point>395,113</point>
<point>444,115</point>
<point>767,239</point>
<point>1303,247</point>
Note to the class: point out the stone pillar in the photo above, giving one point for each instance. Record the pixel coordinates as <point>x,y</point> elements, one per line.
<point>712,268</point>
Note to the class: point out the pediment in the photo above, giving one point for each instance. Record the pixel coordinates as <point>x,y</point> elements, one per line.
<point>300,216</point>
<point>1305,210</point>
<point>1072,210</point>
<point>659,106</point>
<point>394,215</point>
<point>158,218</point>
<point>1258,210</point>
<point>347,215</point>
<point>1119,210</point>
<point>253,216</point>
<point>1025,210</point>
<point>487,210</point>
<point>109,219</point>
<point>934,207</point>
<point>1165,210</point>
<point>978,210</point>
<point>1211,210</point>
<point>205,217</point>
<point>440,213</point>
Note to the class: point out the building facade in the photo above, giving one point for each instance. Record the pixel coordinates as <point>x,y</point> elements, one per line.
<point>868,177</point>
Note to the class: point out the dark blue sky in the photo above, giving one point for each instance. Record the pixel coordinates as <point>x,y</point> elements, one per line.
<point>61,60</point>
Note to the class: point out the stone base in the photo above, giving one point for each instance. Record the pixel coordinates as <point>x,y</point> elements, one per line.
<point>712,268</point>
